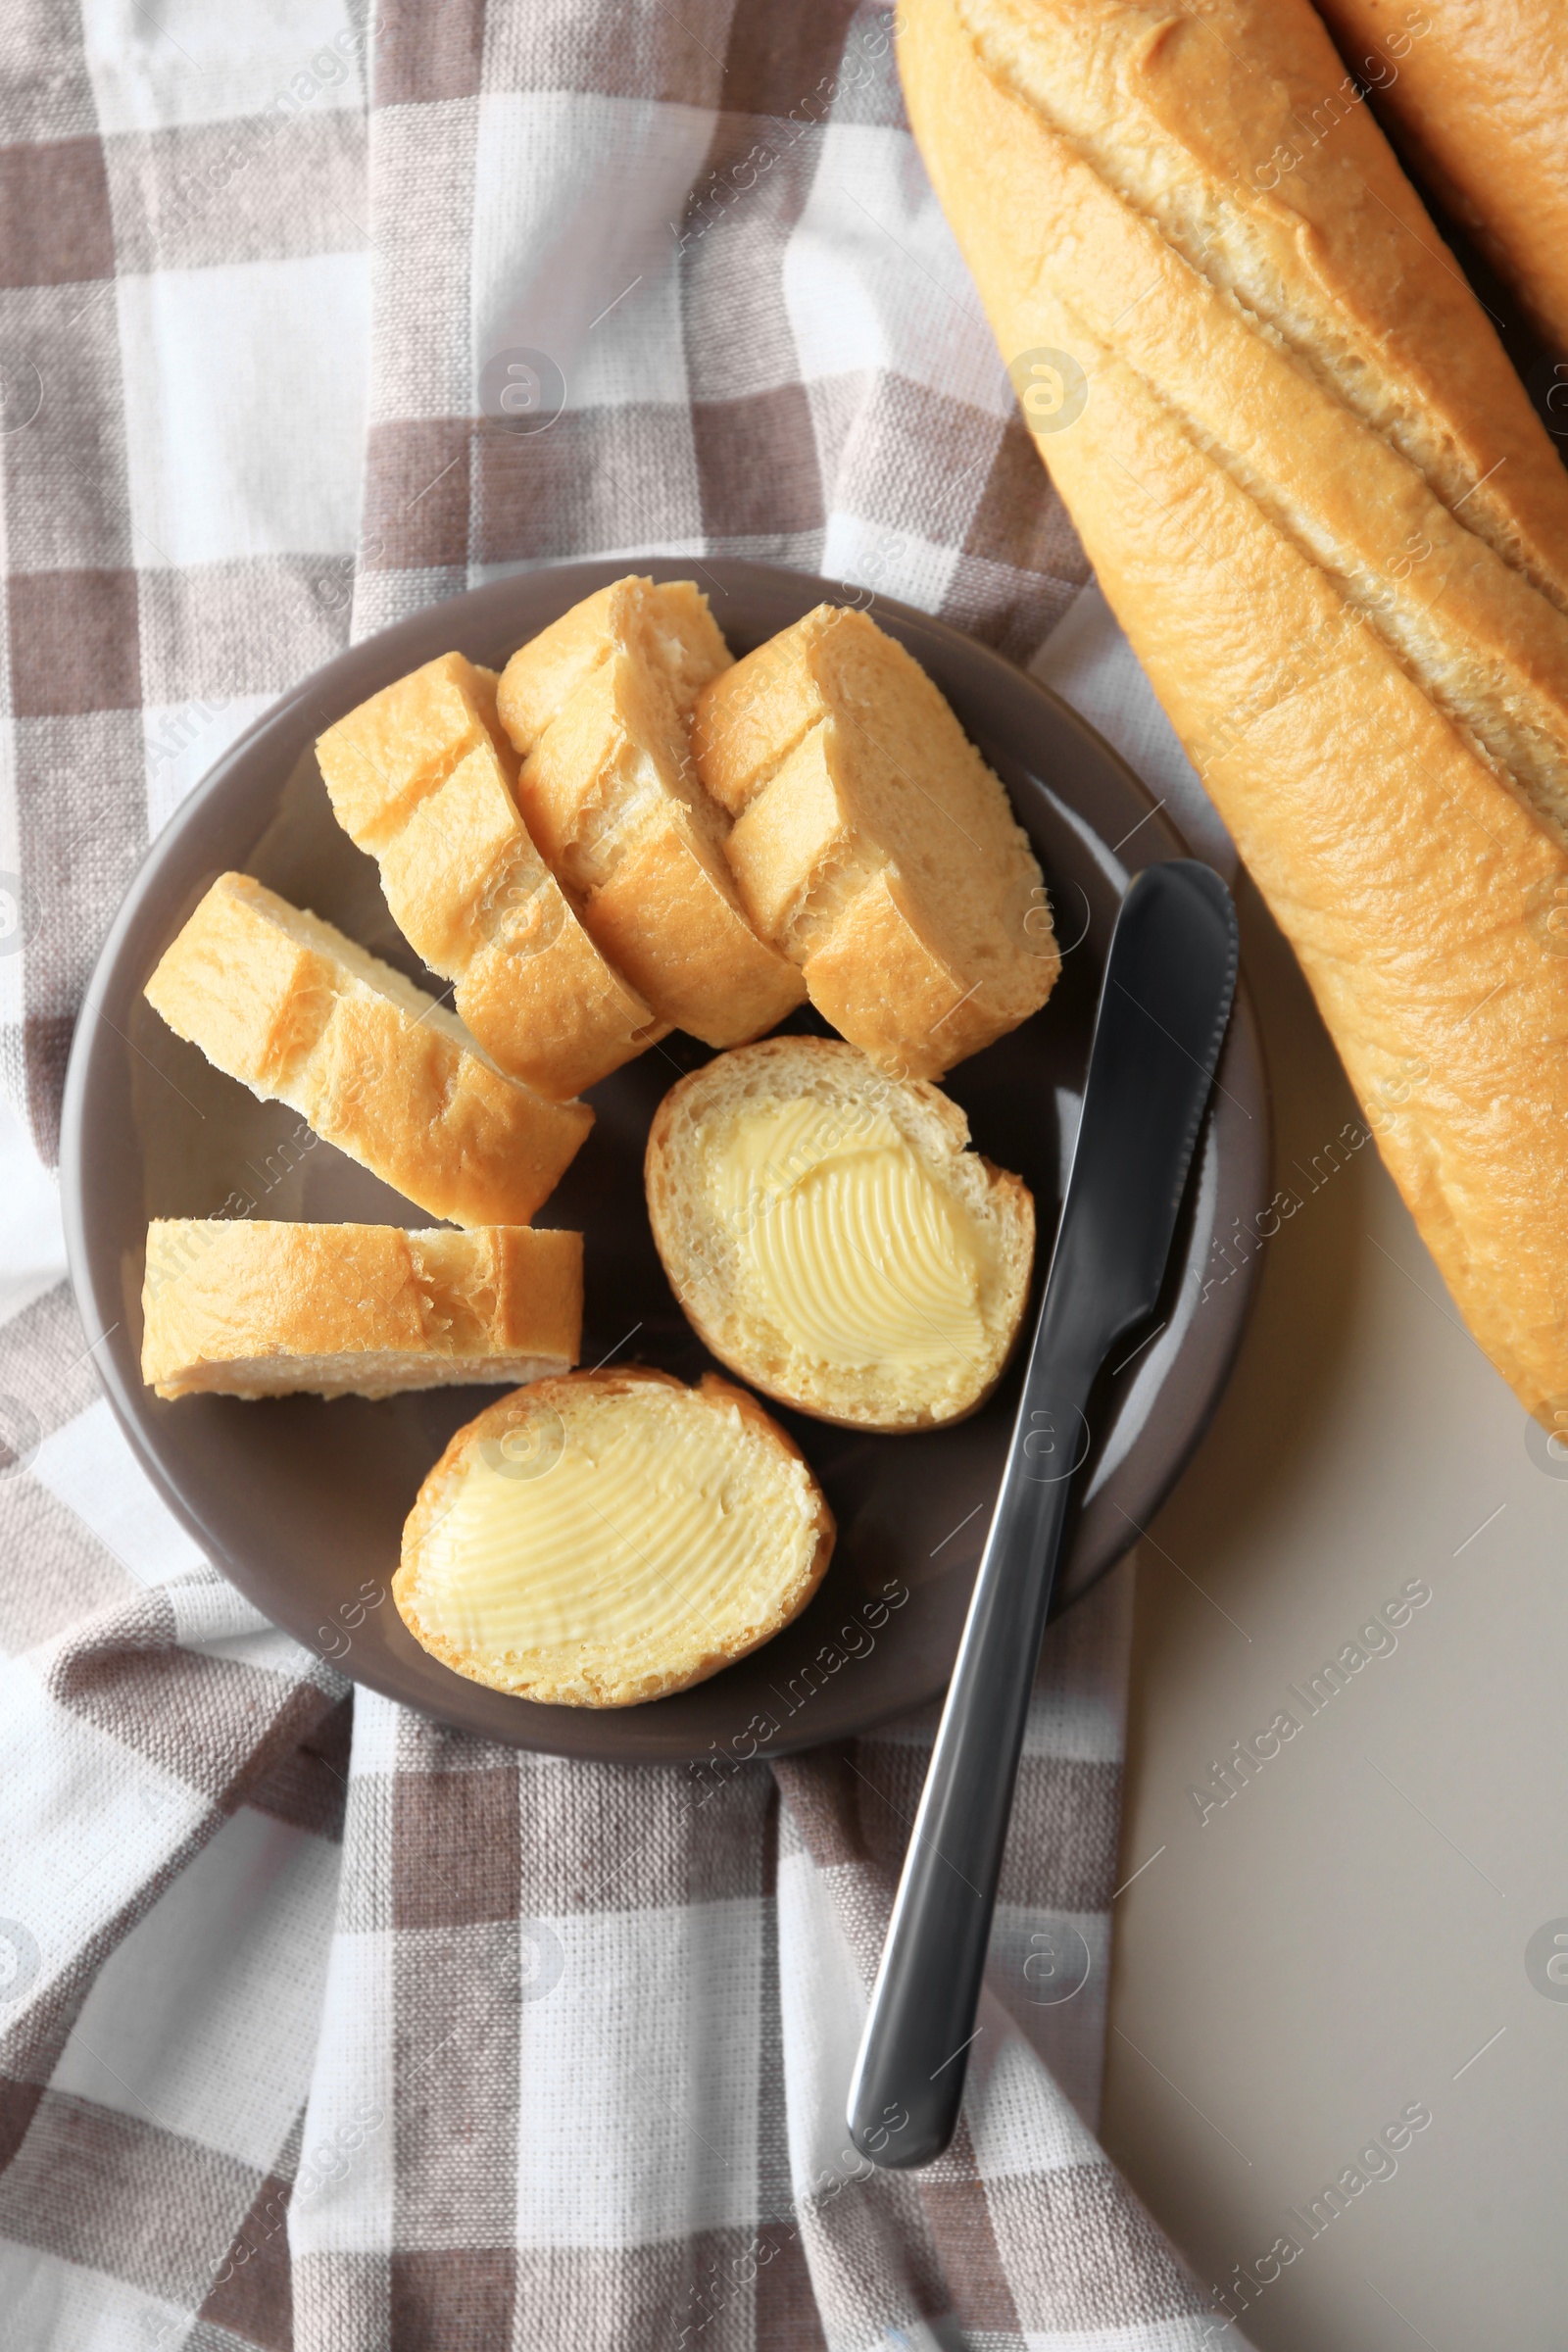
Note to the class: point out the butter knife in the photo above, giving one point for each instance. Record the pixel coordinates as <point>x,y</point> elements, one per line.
<point>1164,1008</point>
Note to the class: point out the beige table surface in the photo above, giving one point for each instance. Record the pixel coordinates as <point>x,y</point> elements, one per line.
<point>1347,1934</point>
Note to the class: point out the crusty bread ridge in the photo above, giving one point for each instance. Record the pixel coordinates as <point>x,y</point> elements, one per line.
<point>669,621</point>
<point>771,1486</point>
<point>425,777</point>
<point>599,706</point>
<point>299,1015</point>
<point>874,846</point>
<point>1338,539</point>
<point>1477,92</point>
<point>238,1307</point>
<point>702,1260</point>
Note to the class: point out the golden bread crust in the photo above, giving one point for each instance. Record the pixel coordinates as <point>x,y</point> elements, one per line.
<point>671,919</point>
<point>874,846</point>
<point>302,1015</point>
<point>1374,699</point>
<point>670,621</point>
<point>609,793</point>
<point>252,1309</point>
<point>425,777</point>
<point>1478,97</point>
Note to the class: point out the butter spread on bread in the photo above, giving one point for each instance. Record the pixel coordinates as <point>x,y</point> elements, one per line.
<point>599,705</point>
<point>425,777</point>
<point>251,1308</point>
<point>831,1236</point>
<point>299,1015</point>
<point>610,1537</point>
<point>1318,500</point>
<point>873,845</point>
<point>845,1240</point>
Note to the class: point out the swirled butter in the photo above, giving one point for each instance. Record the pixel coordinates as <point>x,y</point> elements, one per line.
<point>636,1530</point>
<point>845,1243</point>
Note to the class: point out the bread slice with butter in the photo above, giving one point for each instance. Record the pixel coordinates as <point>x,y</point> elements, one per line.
<point>833,1239</point>
<point>599,706</point>
<point>248,1307</point>
<point>425,777</point>
<point>872,844</point>
<point>610,1537</point>
<point>299,1015</point>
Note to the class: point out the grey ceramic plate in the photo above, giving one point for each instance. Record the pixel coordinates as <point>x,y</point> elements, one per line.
<point>302,1502</point>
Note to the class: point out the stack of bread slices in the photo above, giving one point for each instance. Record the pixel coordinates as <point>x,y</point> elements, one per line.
<point>624,832</point>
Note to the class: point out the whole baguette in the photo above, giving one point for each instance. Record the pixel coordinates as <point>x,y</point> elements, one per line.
<point>1338,539</point>
<point>251,1308</point>
<point>1476,93</point>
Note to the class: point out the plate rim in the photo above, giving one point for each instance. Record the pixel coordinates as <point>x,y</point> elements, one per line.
<point>472,610</point>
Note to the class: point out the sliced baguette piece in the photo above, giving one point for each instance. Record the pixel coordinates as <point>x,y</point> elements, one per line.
<point>612,800</point>
<point>599,706</point>
<point>833,1239</point>
<point>425,777</point>
<point>299,1015</point>
<point>239,1308</point>
<point>609,1537</point>
<point>873,845</point>
<point>669,623</point>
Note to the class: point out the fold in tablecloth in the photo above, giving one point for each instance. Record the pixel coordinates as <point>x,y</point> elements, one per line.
<point>323,2025</point>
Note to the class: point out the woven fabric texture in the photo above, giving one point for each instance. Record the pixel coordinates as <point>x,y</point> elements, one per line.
<point>321,2025</point>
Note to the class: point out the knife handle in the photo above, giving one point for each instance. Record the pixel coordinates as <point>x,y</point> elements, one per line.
<point>909,2080</point>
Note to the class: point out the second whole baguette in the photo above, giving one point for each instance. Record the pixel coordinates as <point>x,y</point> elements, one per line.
<point>1476,91</point>
<point>1338,539</point>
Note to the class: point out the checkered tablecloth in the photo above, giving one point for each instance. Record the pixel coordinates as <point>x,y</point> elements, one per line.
<point>323,2025</point>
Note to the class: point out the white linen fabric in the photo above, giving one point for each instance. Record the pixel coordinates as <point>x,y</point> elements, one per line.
<point>322,2025</point>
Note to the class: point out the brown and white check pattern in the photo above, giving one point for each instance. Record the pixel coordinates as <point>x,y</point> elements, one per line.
<point>320,2025</point>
